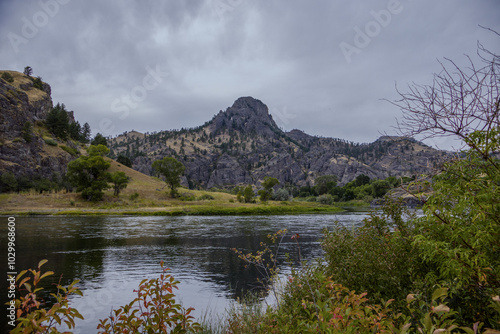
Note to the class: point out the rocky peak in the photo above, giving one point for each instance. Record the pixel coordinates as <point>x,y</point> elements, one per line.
<point>253,105</point>
<point>248,115</point>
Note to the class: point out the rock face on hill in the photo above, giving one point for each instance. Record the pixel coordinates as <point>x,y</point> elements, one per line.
<point>22,102</point>
<point>243,144</point>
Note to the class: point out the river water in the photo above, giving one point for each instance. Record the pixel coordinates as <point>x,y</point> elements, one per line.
<point>111,255</point>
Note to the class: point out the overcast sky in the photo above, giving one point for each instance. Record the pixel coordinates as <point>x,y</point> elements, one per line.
<point>321,66</point>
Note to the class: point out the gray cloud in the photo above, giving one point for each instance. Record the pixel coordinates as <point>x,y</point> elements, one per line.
<point>287,54</point>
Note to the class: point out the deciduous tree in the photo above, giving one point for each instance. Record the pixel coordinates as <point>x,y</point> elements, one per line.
<point>89,173</point>
<point>120,181</point>
<point>325,183</point>
<point>171,170</point>
<point>248,194</point>
<point>268,184</point>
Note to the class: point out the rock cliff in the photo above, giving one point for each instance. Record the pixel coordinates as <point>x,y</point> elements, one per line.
<point>22,101</point>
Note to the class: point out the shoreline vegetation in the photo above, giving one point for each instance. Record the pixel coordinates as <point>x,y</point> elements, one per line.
<point>71,204</point>
<point>146,195</point>
<point>192,210</point>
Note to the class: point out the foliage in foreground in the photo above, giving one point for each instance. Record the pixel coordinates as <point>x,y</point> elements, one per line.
<point>314,302</point>
<point>155,309</point>
<point>31,316</point>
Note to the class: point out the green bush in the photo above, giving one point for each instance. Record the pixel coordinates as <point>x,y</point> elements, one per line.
<point>94,192</point>
<point>281,195</point>
<point>73,151</point>
<point>37,83</point>
<point>7,77</point>
<point>325,199</point>
<point>134,196</point>
<point>50,142</point>
<point>460,231</point>
<point>8,182</point>
<point>374,259</point>
<point>89,174</point>
<point>312,301</point>
<point>206,197</point>
<point>187,197</point>
<point>267,192</point>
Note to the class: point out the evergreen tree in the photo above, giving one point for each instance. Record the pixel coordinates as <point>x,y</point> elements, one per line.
<point>75,131</point>
<point>124,160</point>
<point>99,140</point>
<point>58,121</point>
<point>85,133</point>
<point>27,132</point>
<point>28,71</point>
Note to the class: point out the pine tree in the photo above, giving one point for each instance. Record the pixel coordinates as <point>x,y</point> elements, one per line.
<point>85,133</point>
<point>57,121</point>
<point>75,131</point>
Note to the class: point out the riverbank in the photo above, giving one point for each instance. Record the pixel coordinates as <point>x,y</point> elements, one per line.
<point>199,203</point>
<point>194,210</point>
<point>148,196</point>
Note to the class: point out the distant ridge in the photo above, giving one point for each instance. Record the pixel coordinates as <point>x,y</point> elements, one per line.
<point>243,144</point>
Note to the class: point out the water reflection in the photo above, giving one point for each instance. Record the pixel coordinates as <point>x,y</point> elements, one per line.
<point>111,255</point>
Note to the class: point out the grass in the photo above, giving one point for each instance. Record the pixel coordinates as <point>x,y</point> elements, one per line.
<point>152,199</point>
<point>353,204</point>
<point>168,208</point>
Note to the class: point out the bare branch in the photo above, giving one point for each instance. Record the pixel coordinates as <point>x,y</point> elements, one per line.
<point>458,102</point>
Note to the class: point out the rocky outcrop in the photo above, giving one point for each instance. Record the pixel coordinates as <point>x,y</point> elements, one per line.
<point>228,171</point>
<point>21,102</point>
<point>243,144</point>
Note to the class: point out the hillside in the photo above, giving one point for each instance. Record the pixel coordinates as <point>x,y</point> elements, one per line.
<point>243,144</point>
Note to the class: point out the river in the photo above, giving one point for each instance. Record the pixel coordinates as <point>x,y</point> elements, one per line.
<point>110,255</point>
